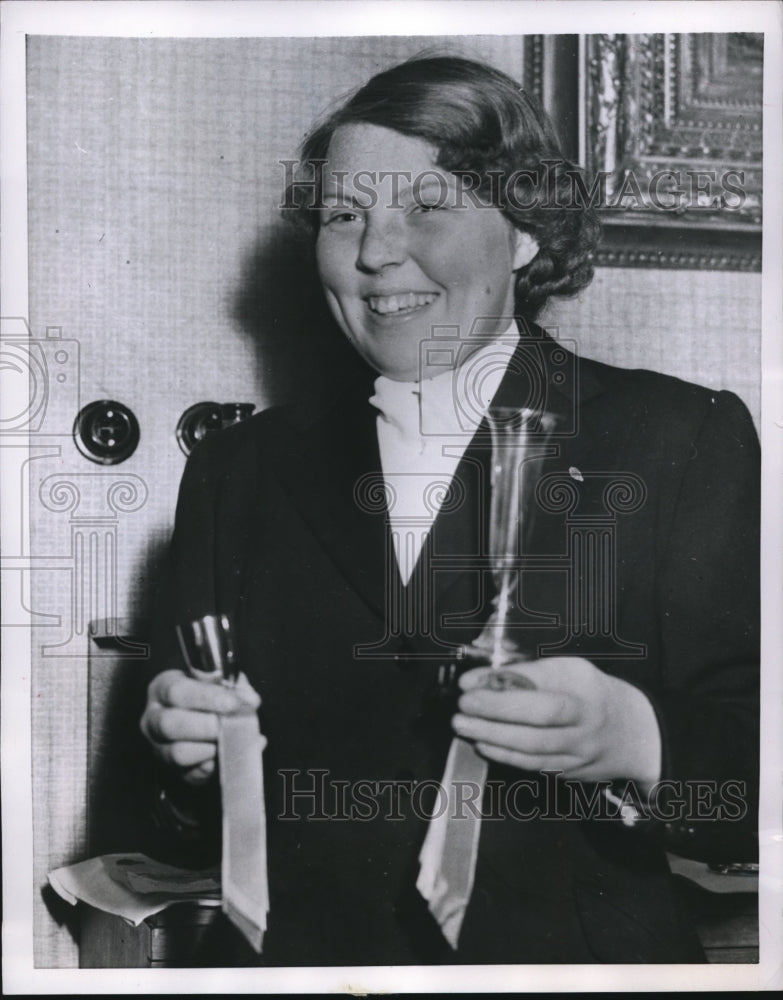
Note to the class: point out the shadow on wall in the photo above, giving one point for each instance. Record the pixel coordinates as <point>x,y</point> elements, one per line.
<point>301,356</point>
<point>300,351</point>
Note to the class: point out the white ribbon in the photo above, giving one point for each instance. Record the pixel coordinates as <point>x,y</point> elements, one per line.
<point>448,855</point>
<point>244,862</point>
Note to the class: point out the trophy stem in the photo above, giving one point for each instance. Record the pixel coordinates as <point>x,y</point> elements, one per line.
<point>513,430</point>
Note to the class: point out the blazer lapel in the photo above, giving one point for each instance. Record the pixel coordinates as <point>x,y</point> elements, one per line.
<point>542,375</point>
<point>330,468</point>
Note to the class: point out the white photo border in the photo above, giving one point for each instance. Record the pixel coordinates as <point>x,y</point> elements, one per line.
<point>235,18</point>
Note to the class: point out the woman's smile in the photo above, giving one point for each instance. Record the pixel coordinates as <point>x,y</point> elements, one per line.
<point>400,304</point>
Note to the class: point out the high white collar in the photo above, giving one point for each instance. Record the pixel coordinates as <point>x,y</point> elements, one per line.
<point>451,403</point>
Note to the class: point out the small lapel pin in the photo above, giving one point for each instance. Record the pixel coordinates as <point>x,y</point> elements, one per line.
<point>574,473</point>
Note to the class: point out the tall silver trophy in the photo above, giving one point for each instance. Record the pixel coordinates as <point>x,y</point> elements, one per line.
<point>519,443</point>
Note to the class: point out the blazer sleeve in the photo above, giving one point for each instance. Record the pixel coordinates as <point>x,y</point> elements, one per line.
<point>202,571</point>
<point>708,594</point>
<point>185,825</point>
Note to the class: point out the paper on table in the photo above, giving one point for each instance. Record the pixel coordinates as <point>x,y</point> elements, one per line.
<point>105,883</point>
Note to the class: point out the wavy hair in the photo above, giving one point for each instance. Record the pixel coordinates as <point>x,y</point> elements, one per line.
<point>482,123</point>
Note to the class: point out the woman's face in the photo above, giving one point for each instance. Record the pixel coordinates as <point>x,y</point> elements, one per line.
<point>400,251</point>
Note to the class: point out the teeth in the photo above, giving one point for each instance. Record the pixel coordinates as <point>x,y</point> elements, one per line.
<point>384,304</point>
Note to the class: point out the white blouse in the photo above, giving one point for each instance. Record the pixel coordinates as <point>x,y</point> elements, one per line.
<point>423,431</point>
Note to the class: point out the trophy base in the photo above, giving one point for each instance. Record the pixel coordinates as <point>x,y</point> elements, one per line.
<point>499,656</point>
<point>507,680</point>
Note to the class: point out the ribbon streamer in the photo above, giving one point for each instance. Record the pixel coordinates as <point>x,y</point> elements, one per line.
<point>448,855</point>
<point>244,862</point>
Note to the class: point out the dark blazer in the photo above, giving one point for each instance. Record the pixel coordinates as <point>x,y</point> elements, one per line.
<point>643,558</point>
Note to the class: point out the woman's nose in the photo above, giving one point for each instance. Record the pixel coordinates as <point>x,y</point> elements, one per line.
<point>383,242</point>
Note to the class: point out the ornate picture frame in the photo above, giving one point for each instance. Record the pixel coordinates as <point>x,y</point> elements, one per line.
<point>669,130</point>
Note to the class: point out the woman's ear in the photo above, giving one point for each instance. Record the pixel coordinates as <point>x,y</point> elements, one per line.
<point>525,248</point>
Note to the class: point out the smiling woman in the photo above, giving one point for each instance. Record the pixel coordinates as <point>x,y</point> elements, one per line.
<point>394,267</point>
<point>488,143</point>
<point>350,545</point>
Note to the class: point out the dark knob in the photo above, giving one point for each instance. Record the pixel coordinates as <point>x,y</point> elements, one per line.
<point>233,413</point>
<point>106,432</point>
<point>196,422</point>
<point>204,418</point>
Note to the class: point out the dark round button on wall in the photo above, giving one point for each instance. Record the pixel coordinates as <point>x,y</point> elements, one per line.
<point>234,413</point>
<point>106,432</point>
<point>201,419</point>
<point>196,422</point>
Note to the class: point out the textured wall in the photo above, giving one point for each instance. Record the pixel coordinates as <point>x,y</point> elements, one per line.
<point>703,326</point>
<point>155,242</point>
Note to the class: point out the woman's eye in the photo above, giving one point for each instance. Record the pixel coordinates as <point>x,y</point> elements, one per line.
<point>339,217</point>
<point>427,207</point>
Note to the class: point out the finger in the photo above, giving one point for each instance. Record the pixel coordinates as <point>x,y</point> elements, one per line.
<point>562,673</point>
<point>479,676</point>
<point>473,678</point>
<point>525,739</point>
<point>161,681</point>
<point>176,690</point>
<point>564,763</point>
<point>503,680</point>
<point>529,708</point>
<point>171,725</point>
<point>185,754</point>
<point>200,774</point>
<point>247,693</point>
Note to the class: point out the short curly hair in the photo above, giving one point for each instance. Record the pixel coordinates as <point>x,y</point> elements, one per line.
<point>482,123</point>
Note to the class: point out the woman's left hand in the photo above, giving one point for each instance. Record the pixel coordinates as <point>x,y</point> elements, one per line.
<point>577,720</point>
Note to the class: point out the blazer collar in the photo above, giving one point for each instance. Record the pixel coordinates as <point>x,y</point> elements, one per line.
<point>546,374</point>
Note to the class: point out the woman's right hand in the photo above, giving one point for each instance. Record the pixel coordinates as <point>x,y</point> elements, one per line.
<point>181,720</point>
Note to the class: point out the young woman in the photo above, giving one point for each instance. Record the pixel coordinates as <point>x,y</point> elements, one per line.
<point>350,545</point>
